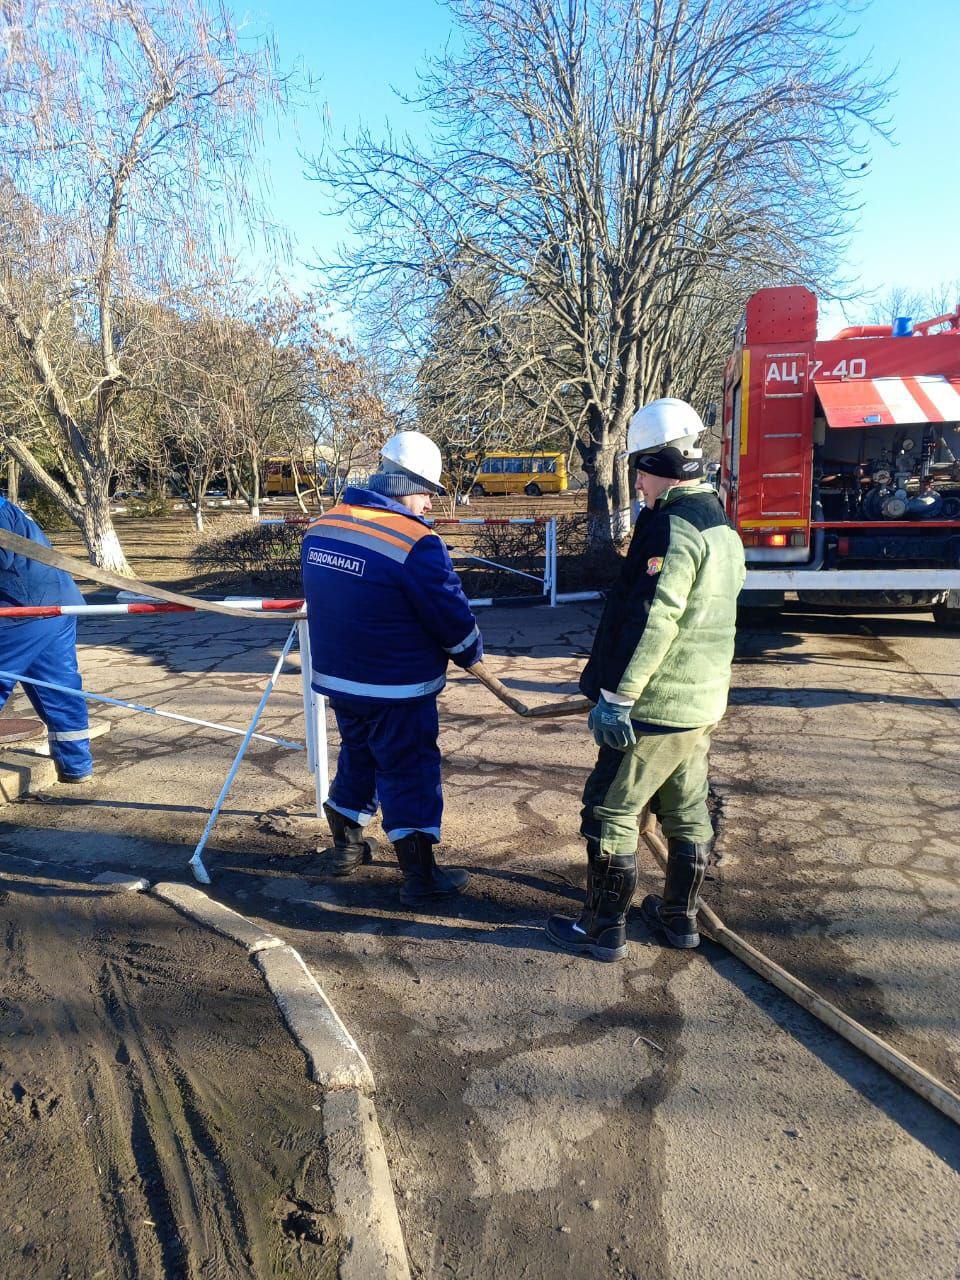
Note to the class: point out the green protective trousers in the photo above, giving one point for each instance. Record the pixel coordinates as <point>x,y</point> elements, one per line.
<point>667,771</point>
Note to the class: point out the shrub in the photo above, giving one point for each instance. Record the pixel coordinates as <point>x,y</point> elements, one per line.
<point>153,504</point>
<point>44,508</point>
<point>264,555</point>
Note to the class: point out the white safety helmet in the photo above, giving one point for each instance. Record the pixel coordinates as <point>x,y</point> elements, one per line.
<point>415,454</point>
<point>666,421</point>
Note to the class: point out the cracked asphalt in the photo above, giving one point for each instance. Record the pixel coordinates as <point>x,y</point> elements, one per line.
<point>544,1115</point>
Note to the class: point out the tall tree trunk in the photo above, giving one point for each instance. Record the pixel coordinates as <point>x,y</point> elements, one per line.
<point>599,466</point>
<point>89,509</point>
<point>99,535</point>
<point>255,493</point>
<point>299,493</point>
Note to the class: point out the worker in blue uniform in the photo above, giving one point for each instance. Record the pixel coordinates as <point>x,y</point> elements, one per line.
<point>43,648</point>
<point>386,612</point>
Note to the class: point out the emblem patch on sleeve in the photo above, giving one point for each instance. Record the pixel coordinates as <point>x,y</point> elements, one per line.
<point>654,565</point>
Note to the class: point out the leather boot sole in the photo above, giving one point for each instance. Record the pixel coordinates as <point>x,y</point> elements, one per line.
<point>348,868</point>
<point>650,914</point>
<point>456,881</point>
<point>586,947</point>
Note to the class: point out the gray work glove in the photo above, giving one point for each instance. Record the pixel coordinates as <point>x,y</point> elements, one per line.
<point>610,725</point>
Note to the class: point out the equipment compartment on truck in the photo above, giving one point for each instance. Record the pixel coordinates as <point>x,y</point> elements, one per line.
<point>843,456</point>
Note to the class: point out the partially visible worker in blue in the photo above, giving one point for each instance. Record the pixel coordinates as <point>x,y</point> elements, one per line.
<point>43,648</point>
<point>386,613</point>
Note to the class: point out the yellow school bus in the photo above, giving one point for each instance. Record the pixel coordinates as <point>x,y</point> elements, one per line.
<point>531,473</point>
<point>283,475</point>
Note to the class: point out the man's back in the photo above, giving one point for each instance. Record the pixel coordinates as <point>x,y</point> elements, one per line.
<point>385,607</point>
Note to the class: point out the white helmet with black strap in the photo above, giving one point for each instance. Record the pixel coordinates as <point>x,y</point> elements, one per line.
<point>415,462</point>
<point>666,421</point>
<point>662,440</point>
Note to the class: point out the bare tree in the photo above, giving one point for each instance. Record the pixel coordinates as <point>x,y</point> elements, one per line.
<point>350,414</point>
<point>918,304</point>
<point>585,152</point>
<point>261,381</point>
<point>127,137</point>
<point>475,392</point>
<point>190,433</point>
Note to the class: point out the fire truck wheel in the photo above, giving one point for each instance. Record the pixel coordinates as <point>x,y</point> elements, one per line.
<point>759,606</point>
<point>945,617</point>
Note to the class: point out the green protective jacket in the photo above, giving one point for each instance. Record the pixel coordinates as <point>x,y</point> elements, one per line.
<point>667,631</point>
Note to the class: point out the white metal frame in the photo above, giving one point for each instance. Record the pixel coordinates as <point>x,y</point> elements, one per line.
<point>549,579</point>
<point>787,579</point>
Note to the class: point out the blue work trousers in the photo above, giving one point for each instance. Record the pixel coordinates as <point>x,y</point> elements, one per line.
<point>389,755</point>
<point>47,650</point>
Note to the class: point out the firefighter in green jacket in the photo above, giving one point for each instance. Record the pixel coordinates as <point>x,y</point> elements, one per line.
<point>659,673</point>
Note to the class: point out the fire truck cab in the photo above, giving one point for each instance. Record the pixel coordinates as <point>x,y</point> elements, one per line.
<point>840,463</point>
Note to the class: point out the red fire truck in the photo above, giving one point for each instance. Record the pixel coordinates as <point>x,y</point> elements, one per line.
<point>840,464</point>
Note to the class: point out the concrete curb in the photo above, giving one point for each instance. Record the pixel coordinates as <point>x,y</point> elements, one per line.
<point>356,1161</point>
<point>223,920</point>
<point>333,1055</point>
<point>363,1198</point>
<point>123,881</point>
<point>362,1190</point>
<point>27,767</point>
<point>23,772</point>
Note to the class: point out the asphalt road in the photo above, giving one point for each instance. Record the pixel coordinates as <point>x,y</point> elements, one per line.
<point>669,1117</point>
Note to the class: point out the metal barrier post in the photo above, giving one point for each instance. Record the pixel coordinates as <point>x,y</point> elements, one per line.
<point>196,862</point>
<point>546,558</point>
<point>321,771</point>
<point>315,721</point>
<point>303,642</point>
<point>552,530</point>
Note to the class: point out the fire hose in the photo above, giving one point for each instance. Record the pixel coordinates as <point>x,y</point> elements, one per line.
<point>879,1051</point>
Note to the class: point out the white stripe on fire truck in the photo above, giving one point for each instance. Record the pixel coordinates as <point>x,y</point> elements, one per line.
<point>901,404</point>
<point>943,394</point>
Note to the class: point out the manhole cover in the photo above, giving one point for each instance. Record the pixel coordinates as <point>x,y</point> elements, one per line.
<point>20,729</point>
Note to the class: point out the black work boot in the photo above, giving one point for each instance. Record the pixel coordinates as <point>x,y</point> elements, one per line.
<point>601,930</point>
<point>423,881</point>
<point>675,914</point>
<point>350,849</point>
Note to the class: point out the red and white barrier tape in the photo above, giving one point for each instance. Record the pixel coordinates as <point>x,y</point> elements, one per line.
<point>467,520</point>
<point>138,606</point>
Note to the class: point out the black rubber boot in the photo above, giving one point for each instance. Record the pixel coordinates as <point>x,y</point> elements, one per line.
<point>675,914</point>
<point>350,849</point>
<point>423,881</point>
<point>601,930</point>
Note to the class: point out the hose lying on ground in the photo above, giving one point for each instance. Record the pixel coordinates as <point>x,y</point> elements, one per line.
<point>566,707</point>
<point>907,1072</point>
<point>914,1077</point>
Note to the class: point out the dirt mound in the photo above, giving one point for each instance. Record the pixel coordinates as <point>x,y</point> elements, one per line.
<point>155,1118</point>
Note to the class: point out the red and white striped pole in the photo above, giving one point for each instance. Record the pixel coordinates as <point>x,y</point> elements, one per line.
<point>141,607</point>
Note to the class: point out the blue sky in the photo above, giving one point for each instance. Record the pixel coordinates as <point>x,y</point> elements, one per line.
<point>905,234</point>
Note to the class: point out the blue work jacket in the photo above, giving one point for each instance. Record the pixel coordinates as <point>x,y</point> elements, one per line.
<point>385,608</point>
